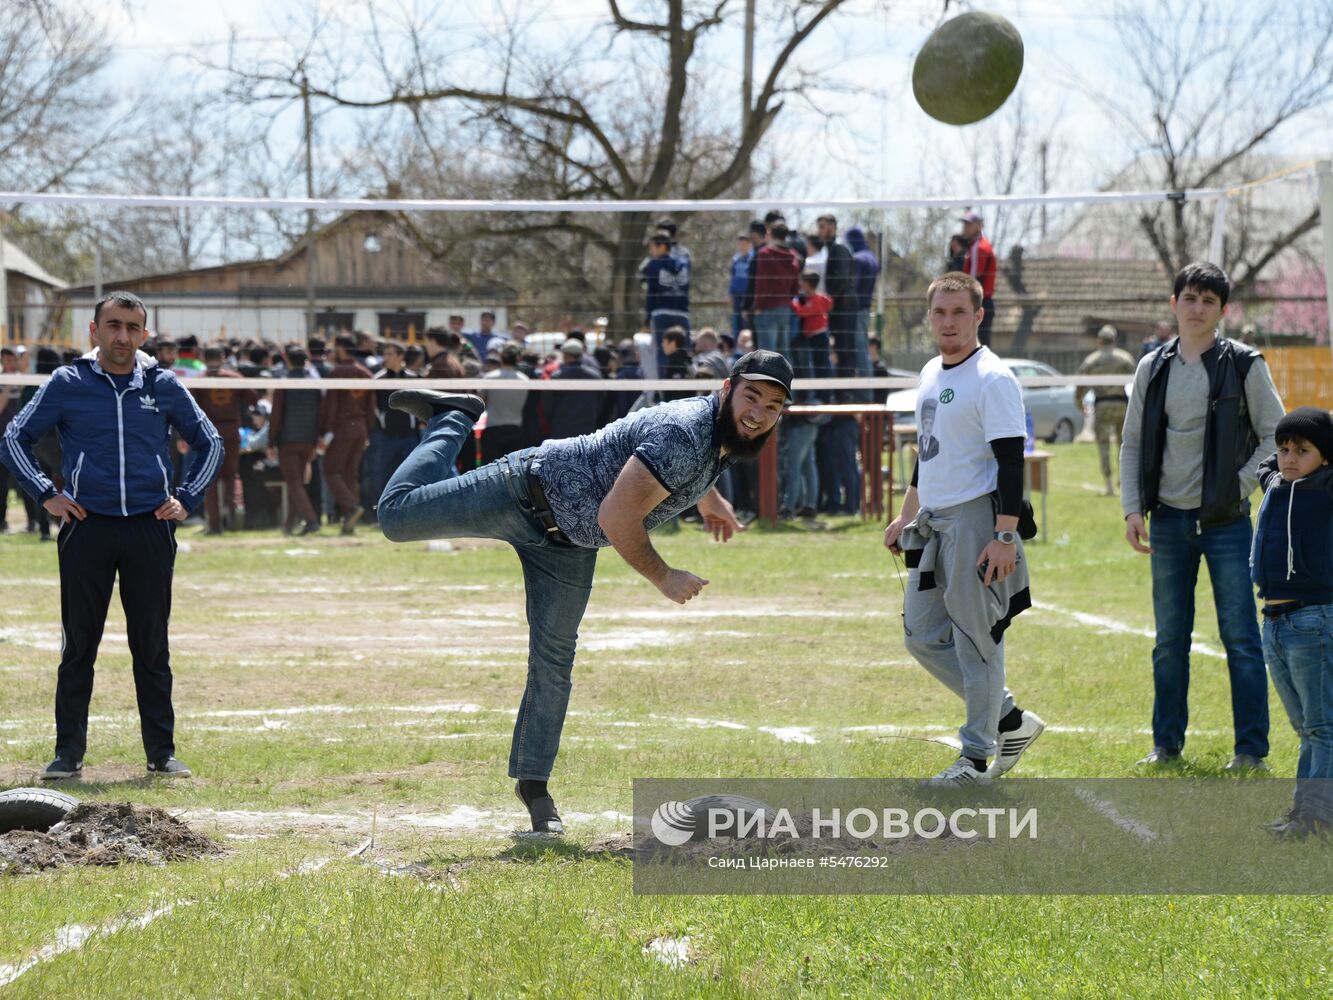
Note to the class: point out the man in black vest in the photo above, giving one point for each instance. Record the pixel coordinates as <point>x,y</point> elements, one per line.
<point>840,281</point>
<point>1200,419</point>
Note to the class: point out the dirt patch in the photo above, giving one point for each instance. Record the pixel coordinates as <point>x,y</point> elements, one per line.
<point>104,833</point>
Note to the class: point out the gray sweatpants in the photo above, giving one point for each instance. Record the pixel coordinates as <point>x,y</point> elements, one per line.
<point>947,626</point>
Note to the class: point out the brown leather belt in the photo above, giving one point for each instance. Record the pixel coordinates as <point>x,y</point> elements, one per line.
<point>541,507</point>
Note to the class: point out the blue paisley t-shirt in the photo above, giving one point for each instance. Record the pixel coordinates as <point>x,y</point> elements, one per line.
<point>677,442</point>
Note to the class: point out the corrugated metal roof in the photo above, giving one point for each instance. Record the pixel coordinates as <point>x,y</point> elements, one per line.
<point>17,260</point>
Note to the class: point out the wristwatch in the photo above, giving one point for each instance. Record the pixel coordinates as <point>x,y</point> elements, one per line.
<point>1007,537</point>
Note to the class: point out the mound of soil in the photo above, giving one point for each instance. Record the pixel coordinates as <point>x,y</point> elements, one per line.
<point>104,833</point>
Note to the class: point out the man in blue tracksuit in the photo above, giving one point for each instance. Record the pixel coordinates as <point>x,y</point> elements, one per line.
<point>666,284</point>
<point>114,410</point>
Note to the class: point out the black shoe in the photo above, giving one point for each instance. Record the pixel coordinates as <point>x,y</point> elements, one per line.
<point>62,767</point>
<point>1303,827</point>
<point>1246,763</point>
<point>168,767</point>
<point>426,403</point>
<point>311,528</point>
<point>545,819</point>
<point>1286,819</point>
<point>1160,757</point>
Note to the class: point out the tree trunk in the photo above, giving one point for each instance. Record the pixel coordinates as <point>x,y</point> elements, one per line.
<point>626,297</point>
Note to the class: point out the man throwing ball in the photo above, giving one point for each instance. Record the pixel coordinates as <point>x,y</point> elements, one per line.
<point>559,503</point>
<point>967,574</point>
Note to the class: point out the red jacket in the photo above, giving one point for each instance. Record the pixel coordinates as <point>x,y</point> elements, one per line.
<point>979,261</point>
<point>775,277</point>
<point>813,312</point>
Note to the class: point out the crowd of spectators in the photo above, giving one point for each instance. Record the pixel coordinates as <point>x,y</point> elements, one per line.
<point>807,296</point>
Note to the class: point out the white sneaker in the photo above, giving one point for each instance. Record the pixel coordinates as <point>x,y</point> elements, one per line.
<point>1010,746</point>
<point>959,774</point>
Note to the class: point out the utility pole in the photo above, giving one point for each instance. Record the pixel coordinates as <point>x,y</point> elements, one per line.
<point>4,287</point>
<point>1042,150</point>
<point>747,86</point>
<point>1325,173</point>
<point>310,212</point>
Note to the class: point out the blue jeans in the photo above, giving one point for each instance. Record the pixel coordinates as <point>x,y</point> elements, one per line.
<point>1177,547</point>
<point>800,477</point>
<point>772,329</point>
<point>427,498</point>
<point>383,457</point>
<point>1299,651</point>
<point>862,344</point>
<point>810,359</point>
<point>851,344</point>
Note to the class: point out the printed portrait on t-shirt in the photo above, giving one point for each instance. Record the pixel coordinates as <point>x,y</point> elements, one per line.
<point>928,446</point>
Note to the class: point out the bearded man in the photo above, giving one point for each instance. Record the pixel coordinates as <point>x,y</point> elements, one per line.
<point>559,503</point>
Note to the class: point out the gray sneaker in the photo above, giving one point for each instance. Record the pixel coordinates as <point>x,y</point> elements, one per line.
<point>960,774</point>
<point>169,767</point>
<point>62,767</point>
<point>1246,763</point>
<point>1011,745</point>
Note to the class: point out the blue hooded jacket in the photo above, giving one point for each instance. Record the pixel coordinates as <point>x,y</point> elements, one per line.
<point>666,284</point>
<point>1292,553</point>
<point>114,442</point>
<point>866,266</point>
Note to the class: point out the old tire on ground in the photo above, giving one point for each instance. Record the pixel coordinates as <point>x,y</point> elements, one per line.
<point>36,809</point>
<point>967,68</point>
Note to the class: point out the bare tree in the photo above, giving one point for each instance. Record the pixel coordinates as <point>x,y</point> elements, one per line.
<point>58,124</point>
<point>1212,86</point>
<point>53,112</point>
<point>559,132</point>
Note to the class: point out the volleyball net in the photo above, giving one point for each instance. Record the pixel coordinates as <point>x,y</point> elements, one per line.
<point>269,273</point>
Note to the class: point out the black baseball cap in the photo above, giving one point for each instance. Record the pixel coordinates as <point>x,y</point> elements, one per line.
<point>764,366</point>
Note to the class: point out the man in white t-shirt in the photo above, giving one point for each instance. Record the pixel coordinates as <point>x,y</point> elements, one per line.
<point>967,574</point>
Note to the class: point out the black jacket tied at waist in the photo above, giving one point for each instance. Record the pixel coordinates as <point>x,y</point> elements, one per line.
<point>1229,439</point>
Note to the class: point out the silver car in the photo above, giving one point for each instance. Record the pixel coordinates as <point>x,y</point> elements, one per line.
<point>1055,415</point>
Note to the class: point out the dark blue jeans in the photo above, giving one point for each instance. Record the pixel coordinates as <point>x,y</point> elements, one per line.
<point>427,498</point>
<point>1299,651</point>
<point>385,454</point>
<point>810,359</point>
<point>1178,546</point>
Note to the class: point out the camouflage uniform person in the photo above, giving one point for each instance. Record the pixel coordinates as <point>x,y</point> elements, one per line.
<point>1109,401</point>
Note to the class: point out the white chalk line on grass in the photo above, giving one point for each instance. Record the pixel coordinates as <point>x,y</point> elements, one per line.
<point>275,720</point>
<point>460,819</point>
<point>1110,625</point>
<point>71,937</point>
<point>890,729</point>
<point>1144,832</point>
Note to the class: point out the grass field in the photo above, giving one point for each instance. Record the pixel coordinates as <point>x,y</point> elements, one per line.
<point>329,690</point>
